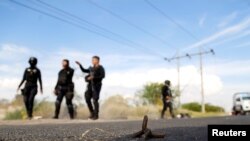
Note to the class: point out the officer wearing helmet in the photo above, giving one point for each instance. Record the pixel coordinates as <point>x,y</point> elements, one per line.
<point>31,75</point>
<point>167,99</point>
<point>64,88</point>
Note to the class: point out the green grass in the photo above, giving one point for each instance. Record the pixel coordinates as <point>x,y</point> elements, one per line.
<point>200,114</point>
<point>15,115</point>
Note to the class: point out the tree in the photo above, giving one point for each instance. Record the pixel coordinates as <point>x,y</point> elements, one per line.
<point>151,93</point>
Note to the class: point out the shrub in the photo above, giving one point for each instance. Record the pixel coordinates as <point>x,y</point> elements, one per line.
<point>17,114</point>
<point>196,107</point>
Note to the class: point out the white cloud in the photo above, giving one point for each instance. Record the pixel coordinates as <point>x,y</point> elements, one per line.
<point>230,68</point>
<point>9,83</point>
<point>228,19</point>
<point>238,36</point>
<point>12,50</point>
<point>202,20</point>
<point>243,45</point>
<point>4,68</point>
<point>232,30</point>
<point>136,78</point>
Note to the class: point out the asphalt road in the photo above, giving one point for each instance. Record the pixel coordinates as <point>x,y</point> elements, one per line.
<point>66,130</point>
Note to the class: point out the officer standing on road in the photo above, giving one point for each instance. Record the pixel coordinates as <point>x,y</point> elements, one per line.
<point>30,77</point>
<point>167,99</point>
<point>64,87</point>
<point>94,80</point>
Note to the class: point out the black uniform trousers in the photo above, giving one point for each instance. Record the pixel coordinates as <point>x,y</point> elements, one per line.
<point>93,93</point>
<point>29,93</point>
<point>64,91</point>
<point>165,106</point>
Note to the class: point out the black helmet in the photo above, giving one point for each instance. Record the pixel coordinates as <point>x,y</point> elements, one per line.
<point>167,82</point>
<point>33,61</point>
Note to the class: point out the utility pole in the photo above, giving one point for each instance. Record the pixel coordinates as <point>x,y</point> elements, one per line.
<point>201,73</point>
<point>178,59</point>
<point>179,82</point>
<point>202,85</point>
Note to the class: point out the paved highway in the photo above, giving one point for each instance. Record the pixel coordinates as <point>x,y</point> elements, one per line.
<point>66,130</point>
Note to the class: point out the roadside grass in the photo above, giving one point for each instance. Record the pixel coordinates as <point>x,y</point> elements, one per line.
<point>200,114</point>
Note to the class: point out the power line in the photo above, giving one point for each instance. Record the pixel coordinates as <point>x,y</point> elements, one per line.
<point>77,25</point>
<point>79,19</point>
<point>129,23</point>
<point>60,19</point>
<point>171,19</point>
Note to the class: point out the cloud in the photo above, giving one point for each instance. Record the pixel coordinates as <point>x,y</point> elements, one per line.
<point>202,20</point>
<point>231,68</point>
<point>228,19</point>
<point>136,78</point>
<point>4,68</point>
<point>238,36</point>
<point>12,51</point>
<point>243,45</point>
<point>232,30</point>
<point>9,83</point>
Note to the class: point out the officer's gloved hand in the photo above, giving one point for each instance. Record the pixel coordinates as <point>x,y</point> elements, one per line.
<point>55,92</point>
<point>78,63</point>
<point>90,78</point>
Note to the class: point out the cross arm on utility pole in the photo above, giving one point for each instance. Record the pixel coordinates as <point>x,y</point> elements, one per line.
<point>200,53</point>
<point>190,55</point>
<point>178,58</point>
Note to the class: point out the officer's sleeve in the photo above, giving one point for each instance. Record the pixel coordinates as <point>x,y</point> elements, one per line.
<point>71,73</point>
<point>163,91</point>
<point>101,74</point>
<point>40,79</point>
<point>24,77</point>
<point>57,81</point>
<point>84,70</point>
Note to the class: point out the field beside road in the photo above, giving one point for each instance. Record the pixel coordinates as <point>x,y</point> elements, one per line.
<point>65,130</point>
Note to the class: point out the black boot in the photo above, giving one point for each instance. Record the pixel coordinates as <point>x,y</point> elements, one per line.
<point>91,116</point>
<point>55,117</point>
<point>71,111</point>
<point>96,116</point>
<point>162,114</point>
<point>96,110</point>
<point>57,110</point>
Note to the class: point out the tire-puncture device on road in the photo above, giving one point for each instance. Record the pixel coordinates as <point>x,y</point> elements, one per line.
<point>146,132</point>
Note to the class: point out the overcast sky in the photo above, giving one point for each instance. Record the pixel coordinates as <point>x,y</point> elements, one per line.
<point>132,49</point>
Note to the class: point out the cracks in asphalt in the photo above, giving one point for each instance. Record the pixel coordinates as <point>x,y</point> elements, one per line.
<point>95,134</point>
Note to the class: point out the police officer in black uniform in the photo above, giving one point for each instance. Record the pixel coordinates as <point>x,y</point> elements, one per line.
<point>96,73</point>
<point>64,87</point>
<point>30,77</point>
<point>167,99</point>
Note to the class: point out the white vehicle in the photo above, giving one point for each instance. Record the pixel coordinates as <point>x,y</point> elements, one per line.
<point>241,103</point>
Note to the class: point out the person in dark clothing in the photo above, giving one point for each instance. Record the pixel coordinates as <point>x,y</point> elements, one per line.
<point>96,73</point>
<point>64,87</point>
<point>31,75</point>
<point>167,99</point>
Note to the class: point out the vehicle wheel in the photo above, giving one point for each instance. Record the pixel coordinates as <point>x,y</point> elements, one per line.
<point>242,112</point>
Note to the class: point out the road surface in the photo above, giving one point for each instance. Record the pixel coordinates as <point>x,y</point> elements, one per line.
<point>66,130</point>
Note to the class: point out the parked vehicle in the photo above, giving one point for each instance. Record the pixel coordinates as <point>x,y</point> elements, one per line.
<point>241,103</point>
